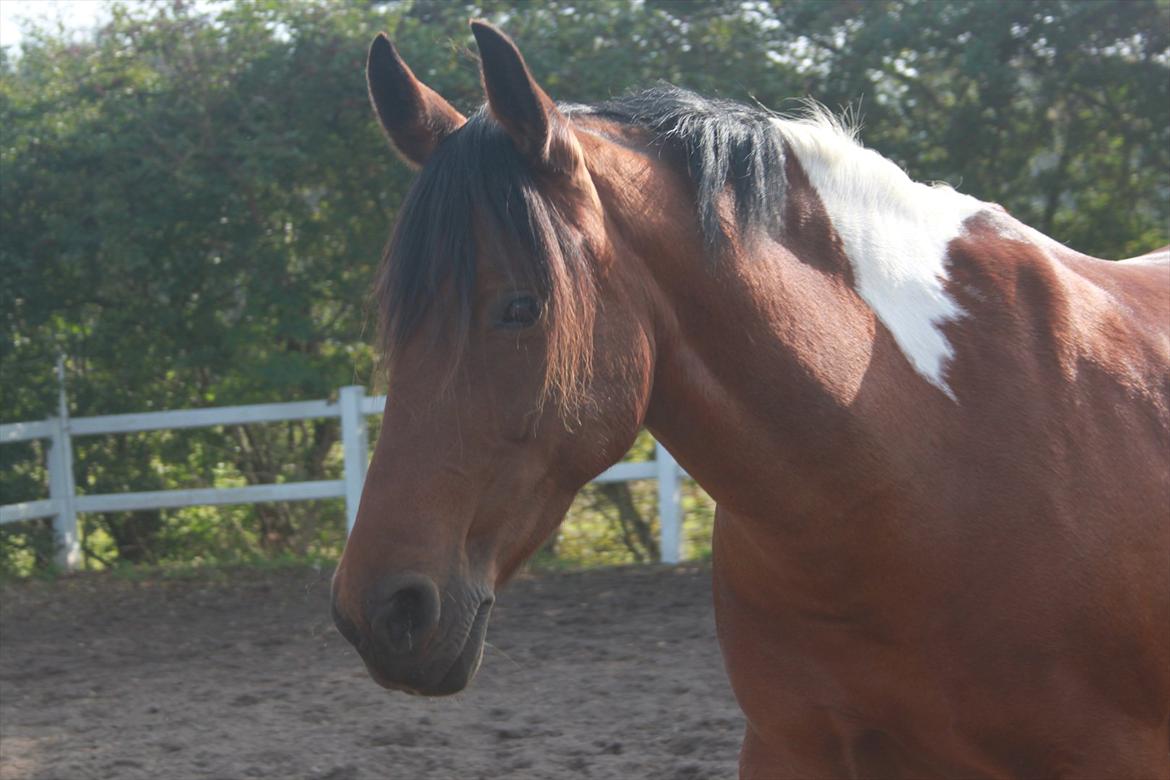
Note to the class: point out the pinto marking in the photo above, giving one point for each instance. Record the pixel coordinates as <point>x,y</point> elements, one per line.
<point>1157,257</point>
<point>895,232</point>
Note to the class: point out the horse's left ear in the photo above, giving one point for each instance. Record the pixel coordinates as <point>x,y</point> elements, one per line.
<point>415,117</point>
<point>539,130</point>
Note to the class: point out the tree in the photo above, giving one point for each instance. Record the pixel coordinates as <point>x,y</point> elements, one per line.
<point>193,202</point>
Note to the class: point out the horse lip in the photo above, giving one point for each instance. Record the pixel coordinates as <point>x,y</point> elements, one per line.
<point>461,670</point>
<point>466,664</point>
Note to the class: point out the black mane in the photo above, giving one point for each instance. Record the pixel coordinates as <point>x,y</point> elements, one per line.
<point>720,142</point>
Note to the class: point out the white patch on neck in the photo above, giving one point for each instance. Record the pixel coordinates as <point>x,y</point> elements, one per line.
<point>895,233</point>
<point>1157,257</point>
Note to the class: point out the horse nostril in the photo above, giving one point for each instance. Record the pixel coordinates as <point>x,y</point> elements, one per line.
<point>403,621</point>
<point>400,618</point>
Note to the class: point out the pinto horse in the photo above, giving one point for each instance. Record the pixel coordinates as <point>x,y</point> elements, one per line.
<point>938,440</point>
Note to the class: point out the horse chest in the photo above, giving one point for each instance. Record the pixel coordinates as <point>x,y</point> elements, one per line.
<point>868,666</point>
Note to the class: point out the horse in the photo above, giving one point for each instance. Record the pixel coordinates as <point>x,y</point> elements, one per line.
<point>939,441</point>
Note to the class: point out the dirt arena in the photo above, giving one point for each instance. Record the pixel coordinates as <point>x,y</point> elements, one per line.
<point>603,674</point>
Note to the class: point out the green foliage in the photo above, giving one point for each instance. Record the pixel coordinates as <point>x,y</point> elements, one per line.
<point>194,202</point>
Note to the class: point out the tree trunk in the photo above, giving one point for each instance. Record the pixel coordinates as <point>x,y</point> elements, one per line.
<point>636,532</point>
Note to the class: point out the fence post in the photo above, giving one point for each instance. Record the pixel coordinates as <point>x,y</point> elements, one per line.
<point>61,486</point>
<point>669,505</point>
<point>354,444</point>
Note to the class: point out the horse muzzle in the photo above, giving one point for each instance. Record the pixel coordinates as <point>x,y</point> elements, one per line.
<point>414,639</point>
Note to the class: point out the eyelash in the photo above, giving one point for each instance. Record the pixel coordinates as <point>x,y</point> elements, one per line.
<point>521,312</point>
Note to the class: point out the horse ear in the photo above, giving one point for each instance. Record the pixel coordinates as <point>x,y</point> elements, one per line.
<point>414,116</point>
<point>517,102</point>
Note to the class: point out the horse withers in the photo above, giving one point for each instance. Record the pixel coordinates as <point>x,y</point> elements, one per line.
<point>939,441</point>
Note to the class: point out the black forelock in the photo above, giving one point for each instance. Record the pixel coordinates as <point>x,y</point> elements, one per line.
<point>476,173</point>
<point>475,176</point>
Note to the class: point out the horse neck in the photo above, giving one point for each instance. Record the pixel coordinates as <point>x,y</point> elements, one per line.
<point>772,363</point>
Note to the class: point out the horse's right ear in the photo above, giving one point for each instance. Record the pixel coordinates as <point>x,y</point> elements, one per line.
<point>414,116</point>
<point>517,102</point>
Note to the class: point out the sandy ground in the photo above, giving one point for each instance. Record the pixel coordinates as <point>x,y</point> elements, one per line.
<point>604,674</point>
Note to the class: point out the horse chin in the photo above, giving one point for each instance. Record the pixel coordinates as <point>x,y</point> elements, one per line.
<point>462,670</point>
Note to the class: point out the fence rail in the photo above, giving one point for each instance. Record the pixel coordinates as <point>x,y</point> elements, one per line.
<point>352,407</point>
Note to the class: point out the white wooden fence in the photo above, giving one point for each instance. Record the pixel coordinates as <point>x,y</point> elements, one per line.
<point>352,406</point>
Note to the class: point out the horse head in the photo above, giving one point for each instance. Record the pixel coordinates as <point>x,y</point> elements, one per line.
<point>507,392</point>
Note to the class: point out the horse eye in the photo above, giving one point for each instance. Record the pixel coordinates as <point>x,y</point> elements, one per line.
<point>522,312</point>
